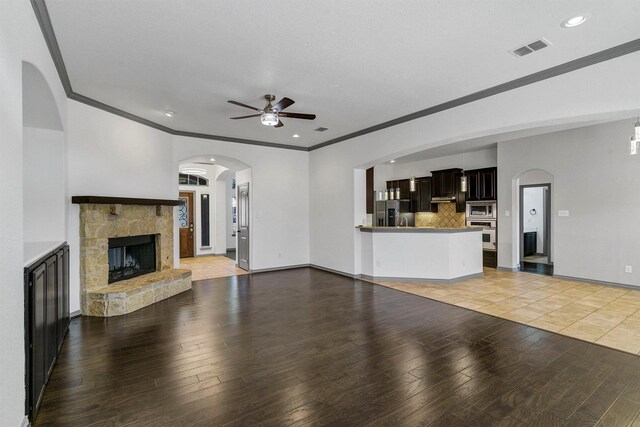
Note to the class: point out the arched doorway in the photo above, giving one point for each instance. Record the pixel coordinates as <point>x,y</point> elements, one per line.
<point>207,223</point>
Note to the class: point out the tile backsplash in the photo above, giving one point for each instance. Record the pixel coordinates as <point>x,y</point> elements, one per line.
<point>445,217</point>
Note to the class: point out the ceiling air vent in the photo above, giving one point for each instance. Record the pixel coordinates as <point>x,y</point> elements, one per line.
<point>530,48</point>
<point>321,129</point>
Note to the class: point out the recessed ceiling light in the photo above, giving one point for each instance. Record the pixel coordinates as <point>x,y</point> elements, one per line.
<point>212,159</point>
<point>392,161</point>
<point>169,113</point>
<point>295,135</point>
<point>574,22</point>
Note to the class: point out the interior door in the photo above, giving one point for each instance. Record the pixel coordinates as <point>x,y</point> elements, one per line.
<point>185,221</point>
<point>243,226</point>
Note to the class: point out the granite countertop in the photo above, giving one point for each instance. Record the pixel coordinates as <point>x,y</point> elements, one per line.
<point>377,229</point>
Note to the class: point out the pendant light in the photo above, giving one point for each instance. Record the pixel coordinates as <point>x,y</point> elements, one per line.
<point>463,178</point>
<point>412,184</point>
<point>635,139</point>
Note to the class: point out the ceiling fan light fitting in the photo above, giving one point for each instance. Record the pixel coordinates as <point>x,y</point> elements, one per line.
<point>269,119</point>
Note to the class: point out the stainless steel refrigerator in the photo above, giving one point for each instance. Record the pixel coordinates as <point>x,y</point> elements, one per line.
<point>390,213</point>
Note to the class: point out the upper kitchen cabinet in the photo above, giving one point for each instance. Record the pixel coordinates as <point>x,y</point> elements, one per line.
<point>446,187</point>
<point>445,183</point>
<point>423,196</point>
<point>403,185</point>
<point>481,184</point>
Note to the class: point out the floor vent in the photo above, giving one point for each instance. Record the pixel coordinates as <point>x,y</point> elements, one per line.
<point>321,129</point>
<point>530,48</point>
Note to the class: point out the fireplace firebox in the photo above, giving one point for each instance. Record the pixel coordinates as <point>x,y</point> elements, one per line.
<point>131,256</point>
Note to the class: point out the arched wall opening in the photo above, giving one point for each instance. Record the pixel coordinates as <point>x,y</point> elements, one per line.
<point>213,200</point>
<point>44,161</point>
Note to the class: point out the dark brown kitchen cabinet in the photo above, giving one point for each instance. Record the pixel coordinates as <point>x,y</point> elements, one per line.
<point>461,196</point>
<point>369,189</point>
<point>46,293</point>
<point>530,243</point>
<point>423,190</point>
<point>446,182</point>
<point>489,259</point>
<point>482,184</point>
<point>403,185</point>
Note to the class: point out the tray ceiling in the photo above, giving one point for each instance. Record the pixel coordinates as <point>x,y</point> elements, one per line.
<point>354,64</point>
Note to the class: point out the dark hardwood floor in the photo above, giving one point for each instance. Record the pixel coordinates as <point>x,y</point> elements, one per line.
<point>302,347</point>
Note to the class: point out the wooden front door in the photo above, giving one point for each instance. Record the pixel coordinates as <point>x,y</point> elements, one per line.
<point>185,221</point>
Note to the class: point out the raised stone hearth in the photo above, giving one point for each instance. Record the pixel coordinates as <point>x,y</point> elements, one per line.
<point>98,223</point>
<point>130,295</point>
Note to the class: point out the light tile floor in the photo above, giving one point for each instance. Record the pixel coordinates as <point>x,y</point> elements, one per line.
<point>211,267</point>
<point>604,315</point>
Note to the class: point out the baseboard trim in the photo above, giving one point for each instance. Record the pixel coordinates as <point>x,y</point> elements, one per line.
<point>512,270</point>
<point>286,267</point>
<point>596,282</point>
<point>338,272</point>
<point>421,280</point>
<point>25,422</point>
<point>220,254</point>
<point>75,314</point>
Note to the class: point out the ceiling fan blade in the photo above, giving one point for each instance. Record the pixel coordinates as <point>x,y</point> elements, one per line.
<point>298,116</point>
<point>279,125</point>
<point>245,117</point>
<point>283,103</point>
<point>244,105</point>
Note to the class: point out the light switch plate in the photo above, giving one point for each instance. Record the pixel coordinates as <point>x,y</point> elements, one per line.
<point>507,213</point>
<point>563,213</point>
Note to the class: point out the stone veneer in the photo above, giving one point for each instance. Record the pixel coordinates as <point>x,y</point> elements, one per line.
<point>98,223</point>
<point>130,295</point>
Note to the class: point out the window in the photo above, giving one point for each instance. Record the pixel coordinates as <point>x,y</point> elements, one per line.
<point>184,179</point>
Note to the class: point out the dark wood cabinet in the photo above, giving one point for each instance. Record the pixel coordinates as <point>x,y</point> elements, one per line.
<point>423,190</point>
<point>461,196</point>
<point>403,185</point>
<point>446,182</point>
<point>482,184</point>
<point>490,259</point>
<point>530,243</point>
<point>370,191</point>
<point>46,293</point>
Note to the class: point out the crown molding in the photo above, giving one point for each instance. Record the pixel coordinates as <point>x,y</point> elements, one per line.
<point>46,27</point>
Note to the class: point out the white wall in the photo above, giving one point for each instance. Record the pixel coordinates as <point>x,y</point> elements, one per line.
<point>550,102</point>
<point>45,187</point>
<point>20,40</point>
<point>279,196</point>
<point>596,181</point>
<point>111,156</point>
<point>533,214</point>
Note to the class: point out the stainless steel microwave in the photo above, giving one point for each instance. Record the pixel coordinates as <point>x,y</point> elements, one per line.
<point>481,210</point>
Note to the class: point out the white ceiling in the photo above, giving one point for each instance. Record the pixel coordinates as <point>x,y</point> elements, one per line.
<point>353,63</point>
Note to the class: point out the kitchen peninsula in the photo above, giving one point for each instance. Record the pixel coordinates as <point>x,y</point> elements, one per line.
<point>421,253</point>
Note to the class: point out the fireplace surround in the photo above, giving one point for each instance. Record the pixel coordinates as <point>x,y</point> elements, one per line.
<point>141,221</point>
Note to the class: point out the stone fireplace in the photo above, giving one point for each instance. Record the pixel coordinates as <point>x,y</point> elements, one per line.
<point>138,234</point>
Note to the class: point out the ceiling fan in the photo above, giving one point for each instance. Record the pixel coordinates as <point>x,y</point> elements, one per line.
<point>270,114</point>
